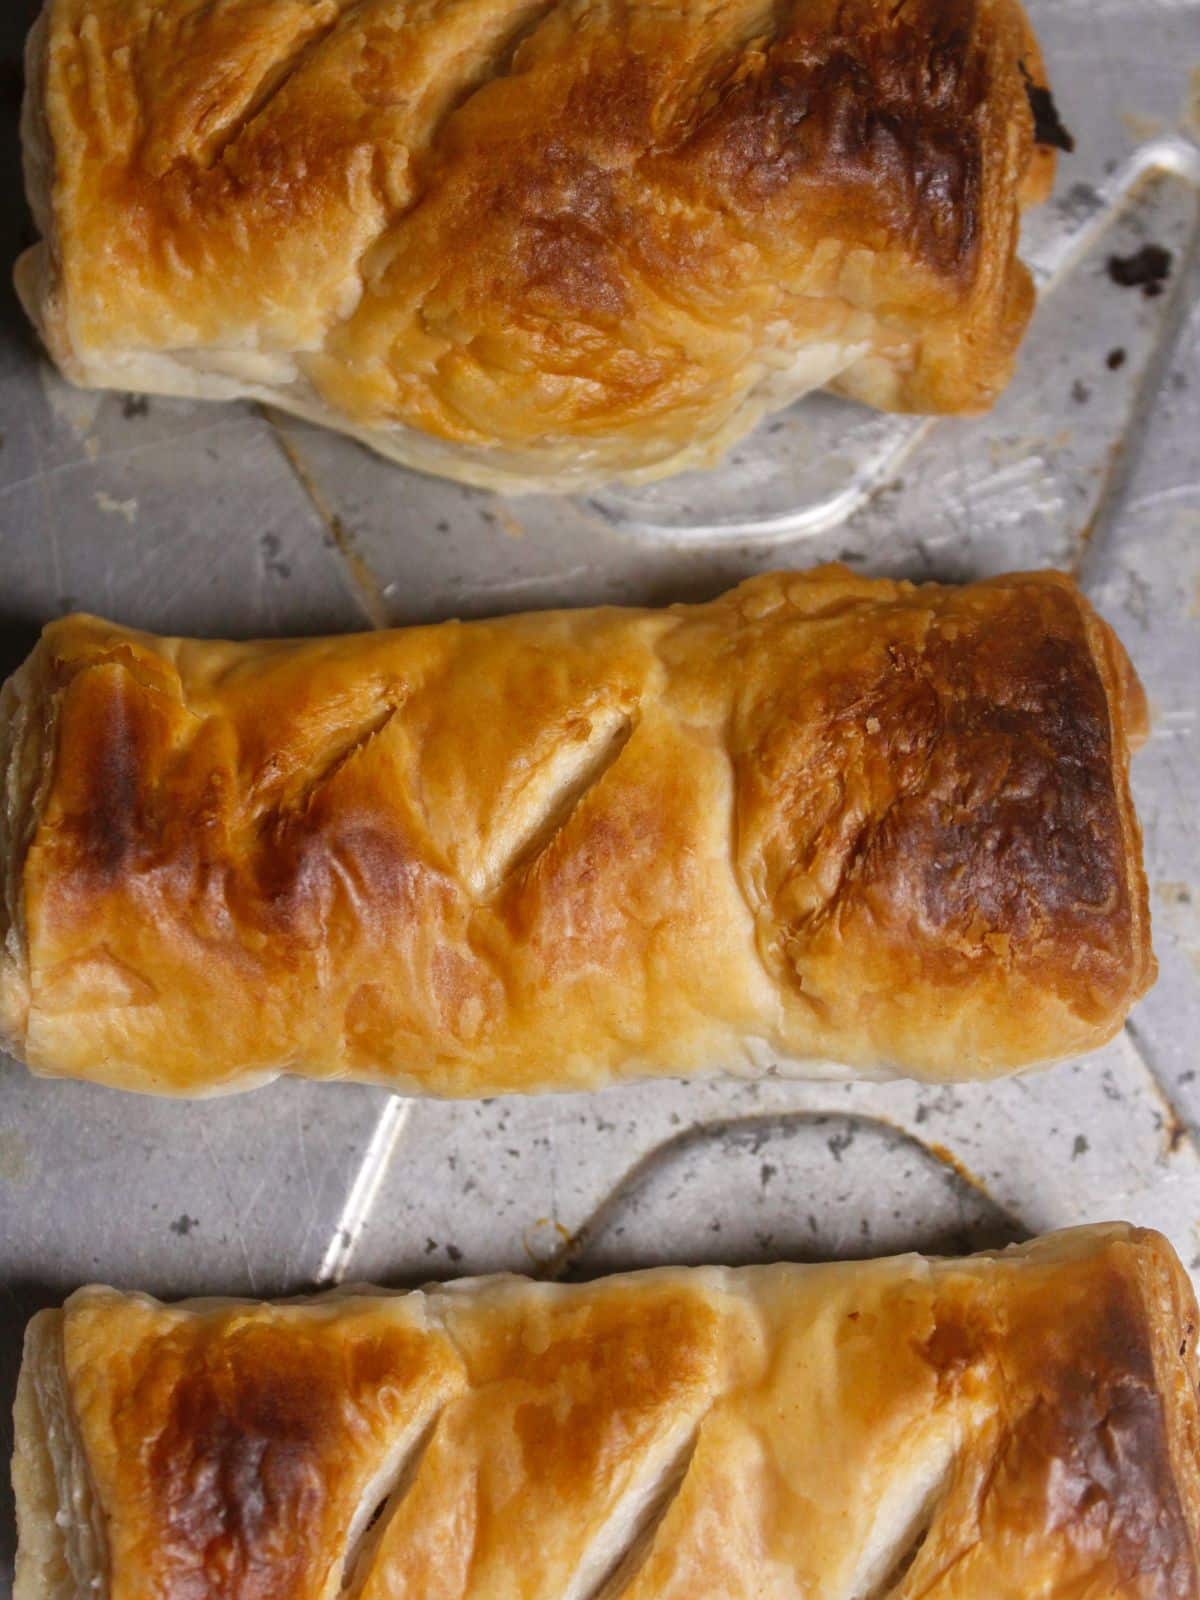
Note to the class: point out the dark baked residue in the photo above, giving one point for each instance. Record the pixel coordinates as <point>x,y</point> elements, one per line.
<point>1049,129</point>
<point>1146,269</point>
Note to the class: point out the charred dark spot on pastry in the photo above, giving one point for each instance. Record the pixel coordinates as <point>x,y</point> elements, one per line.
<point>1048,127</point>
<point>890,112</point>
<point>1014,831</point>
<point>551,225</point>
<point>239,1485</point>
<point>1147,269</point>
<point>987,824</point>
<point>307,861</point>
<point>965,1336</point>
<point>113,735</point>
<point>615,103</point>
<point>563,211</point>
<point>1095,1440</point>
<point>235,1432</point>
<point>567,265</point>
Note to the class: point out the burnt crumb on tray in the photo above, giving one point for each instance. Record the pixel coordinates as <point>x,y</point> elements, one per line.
<point>1146,269</point>
<point>1048,127</point>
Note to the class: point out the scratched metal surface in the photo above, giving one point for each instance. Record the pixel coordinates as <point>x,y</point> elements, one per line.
<point>206,519</point>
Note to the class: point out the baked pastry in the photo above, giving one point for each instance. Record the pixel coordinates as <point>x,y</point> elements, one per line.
<point>994,1428</point>
<point>821,818</point>
<point>532,245</point>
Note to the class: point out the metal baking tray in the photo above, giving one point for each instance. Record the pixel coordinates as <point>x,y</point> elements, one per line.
<point>225,520</point>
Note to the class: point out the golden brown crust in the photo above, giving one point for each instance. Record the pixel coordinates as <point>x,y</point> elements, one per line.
<point>819,817</point>
<point>526,242</point>
<point>1006,1425</point>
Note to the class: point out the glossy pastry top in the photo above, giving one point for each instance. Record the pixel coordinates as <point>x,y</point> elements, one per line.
<point>988,1429</point>
<point>533,240</point>
<point>821,816</point>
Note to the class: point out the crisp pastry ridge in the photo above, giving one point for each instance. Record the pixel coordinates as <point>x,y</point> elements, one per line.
<point>1018,1423</point>
<point>822,819</point>
<point>534,244</point>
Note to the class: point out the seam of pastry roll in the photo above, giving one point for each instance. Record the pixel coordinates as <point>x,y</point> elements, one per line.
<point>48,1428</point>
<point>492,467</point>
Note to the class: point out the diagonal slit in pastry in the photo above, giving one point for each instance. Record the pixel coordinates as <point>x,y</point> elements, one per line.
<point>546,802</point>
<point>380,1500</point>
<point>614,1558</point>
<point>902,1523</point>
<point>642,1522</point>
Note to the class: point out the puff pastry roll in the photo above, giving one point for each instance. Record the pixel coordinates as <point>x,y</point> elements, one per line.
<point>822,818</point>
<point>534,243</point>
<point>993,1428</point>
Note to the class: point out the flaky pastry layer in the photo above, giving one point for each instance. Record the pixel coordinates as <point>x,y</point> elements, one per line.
<point>1009,1425</point>
<point>822,819</point>
<point>533,243</point>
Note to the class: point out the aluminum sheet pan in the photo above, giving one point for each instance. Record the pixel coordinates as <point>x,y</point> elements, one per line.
<point>209,519</point>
